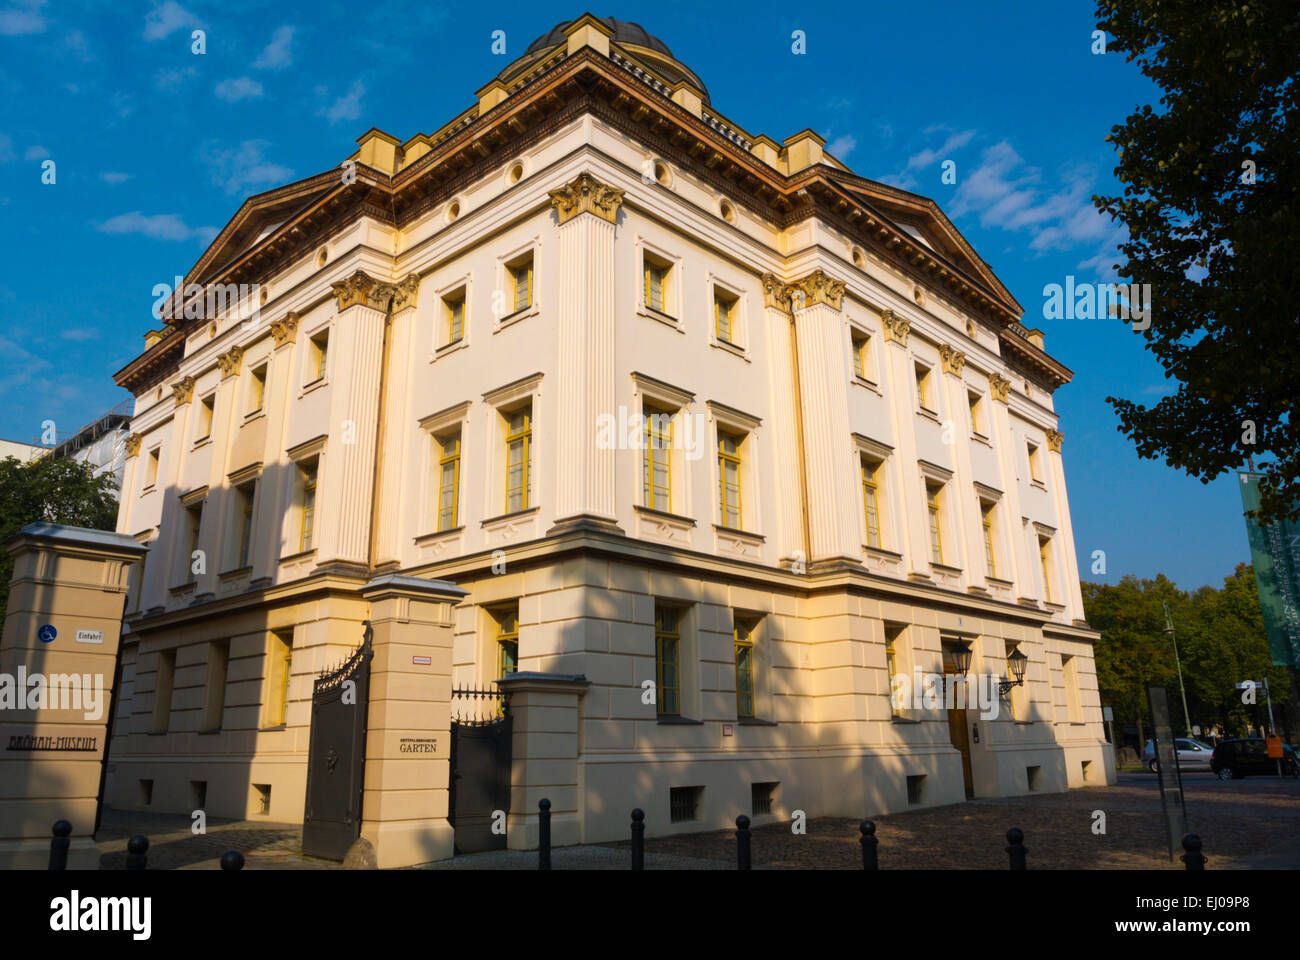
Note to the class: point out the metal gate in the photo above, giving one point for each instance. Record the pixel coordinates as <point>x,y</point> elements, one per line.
<point>480,768</point>
<point>336,756</point>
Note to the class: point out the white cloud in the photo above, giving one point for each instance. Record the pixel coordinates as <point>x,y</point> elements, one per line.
<point>36,152</point>
<point>79,333</point>
<point>346,107</point>
<point>159,226</point>
<point>168,79</point>
<point>239,169</point>
<point>111,177</point>
<point>6,149</point>
<point>22,17</point>
<point>164,20</point>
<point>841,146</point>
<point>77,45</point>
<point>238,88</point>
<point>276,55</point>
<point>928,156</point>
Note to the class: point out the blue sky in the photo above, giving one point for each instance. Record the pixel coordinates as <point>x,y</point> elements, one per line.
<point>155,147</point>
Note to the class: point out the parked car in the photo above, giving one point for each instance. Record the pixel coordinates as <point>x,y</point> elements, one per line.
<point>1233,759</point>
<point>1192,754</point>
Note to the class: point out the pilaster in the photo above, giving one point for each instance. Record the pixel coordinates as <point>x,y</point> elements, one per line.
<point>1011,521</point>
<point>782,376</point>
<point>903,476</point>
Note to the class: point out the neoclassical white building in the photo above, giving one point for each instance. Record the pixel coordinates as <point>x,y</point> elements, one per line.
<point>462,343</point>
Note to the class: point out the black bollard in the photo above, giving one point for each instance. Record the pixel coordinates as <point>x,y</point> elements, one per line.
<point>1016,848</point>
<point>869,845</point>
<point>742,843</point>
<point>1193,858</point>
<point>544,834</point>
<point>234,860</point>
<point>638,839</point>
<point>136,849</point>
<point>59,845</point>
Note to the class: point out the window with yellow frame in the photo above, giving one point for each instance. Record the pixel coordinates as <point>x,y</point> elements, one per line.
<point>519,457</point>
<point>744,641</point>
<point>455,307</point>
<point>1045,558</point>
<point>860,366</point>
<point>657,479</point>
<point>521,281</point>
<point>656,285</point>
<point>507,639</point>
<point>871,501</point>
<point>448,481</point>
<point>923,387</point>
<point>307,527</point>
<point>667,665</point>
<point>986,519</point>
<point>281,675</point>
<point>932,491</point>
<point>729,511</point>
<point>724,316</point>
<point>893,637</point>
<point>318,356</point>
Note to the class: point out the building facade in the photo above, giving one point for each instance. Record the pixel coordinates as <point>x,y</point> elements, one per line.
<point>706,418</point>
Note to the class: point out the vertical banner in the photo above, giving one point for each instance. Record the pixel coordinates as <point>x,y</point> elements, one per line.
<point>1275,554</point>
<point>1171,780</point>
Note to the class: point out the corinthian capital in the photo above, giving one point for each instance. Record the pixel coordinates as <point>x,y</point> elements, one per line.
<point>285,330</point>
<point>818,287</point>
<point>133,445</point>
<point>586,194</point>
<point>1054,440</point>
<point>999,386</point>
<point>405,292</point>
<point>230,361</point>
<point>953,360</point>
<point>183,390</point>
<point>896,327</point>
<point>775,293</point>
<point>361,289</point>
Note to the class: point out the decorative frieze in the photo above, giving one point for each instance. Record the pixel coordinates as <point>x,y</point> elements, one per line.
<point>133,445</point>
<point>285,330</point>
<point>183,390</point>
<point>1054,440</point>
<point>999,386</point>
<point>896,327</point>
<point>952,359</point>
<point>230,361</point>
<point>586,194</point>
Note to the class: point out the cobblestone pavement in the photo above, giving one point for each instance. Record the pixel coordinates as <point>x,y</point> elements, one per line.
<point>1245,824</point>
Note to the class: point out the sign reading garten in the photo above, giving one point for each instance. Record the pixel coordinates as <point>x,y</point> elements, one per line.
<point>1275,553</point>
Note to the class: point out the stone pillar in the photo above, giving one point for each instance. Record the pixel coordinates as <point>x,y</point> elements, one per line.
<point>903,476</point>
<point>1068,556</point>
<point>1023,571</point>
<point>391,517</point>
<point>824,409</point>
<point>356,349</point>
<point>408,746</point>
<point>585,317</point>
<point>965,510</point>
<point>63,624</point>
<point>785,435</point>
<point>544,756</point>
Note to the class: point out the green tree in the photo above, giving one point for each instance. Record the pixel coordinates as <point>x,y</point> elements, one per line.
<point>1210,187</point>
<point>56,489</point>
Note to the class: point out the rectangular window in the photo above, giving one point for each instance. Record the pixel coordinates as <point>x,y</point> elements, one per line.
<point>760,798</point>
<point>193,521</point>
<point>1045,559</point>
<point>860,344</point>
<point>206,406</point>
<point>656,480</point>
<point>454,307</point>
<point>507,619</point>
<point>307,526</point>
<point>244,497</point>
<point>318,356</point>
<point>729,480</point>
<point>162,697</point>
<point>281,672</point>
<point>744,639</point>
<point>986,518</point>
<point>151,467</point>
<point>1034,471</point>
<point>656,283</point>
<point>214,694</point>
<point>519,459</point>
<point>923,387</point>
<point>871,500</point>
<point>893,640</point>
<point>976,414</point>
<point>521,283</point>
<point>684,803</point>
<point>256,389</point>
<point>667,651</point>
<point>932,493</point>
<point>448,481</point>
<point>724,316</point>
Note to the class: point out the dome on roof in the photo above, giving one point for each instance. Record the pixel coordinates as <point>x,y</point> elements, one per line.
<point>625,34</point>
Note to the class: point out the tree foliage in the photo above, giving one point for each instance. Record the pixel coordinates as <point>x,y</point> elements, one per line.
<point>1219,251</point>
<point>57,489</point>
<point>1221,642</point>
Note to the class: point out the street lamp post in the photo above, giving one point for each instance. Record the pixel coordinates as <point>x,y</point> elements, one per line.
<point>1169,629</point>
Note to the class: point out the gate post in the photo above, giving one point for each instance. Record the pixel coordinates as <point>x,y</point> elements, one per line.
<point>544,757</point>
<point>408,746</point>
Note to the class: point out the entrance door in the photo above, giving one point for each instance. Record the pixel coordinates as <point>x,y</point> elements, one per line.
<point>958,731</point>
<point>481,730</point>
